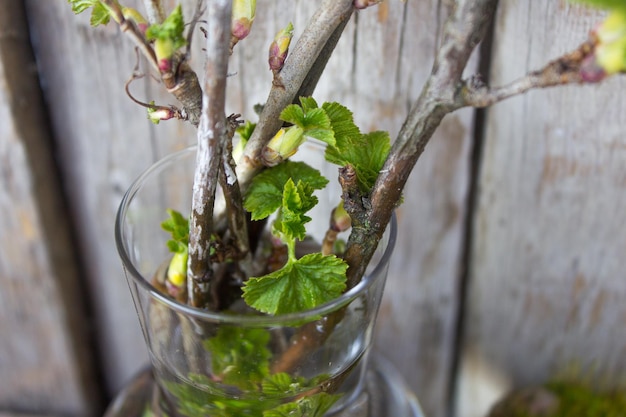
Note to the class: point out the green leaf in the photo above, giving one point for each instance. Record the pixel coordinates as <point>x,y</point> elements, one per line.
<point>265,194</point>
<point>300,285</point>
<point>366,153</point>
<point>293,114</point>
<point>171,29</point>
<point>315,405</point>
<point>79,6</point>
<point>297,200</point>
<point>178,227</point>
<point>99,15</point>
<point>308,103</point>
<point>313,120</point>
<point>245,130</point>
<point>240,356</point>
<point>282,384</point>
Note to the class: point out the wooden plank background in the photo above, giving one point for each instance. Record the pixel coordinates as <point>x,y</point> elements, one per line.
<point>544,284</point>
<point>547,288</point>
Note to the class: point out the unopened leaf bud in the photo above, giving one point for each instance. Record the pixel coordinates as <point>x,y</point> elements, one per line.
<point>134,16</point>
<point>155,115</point>
<point>340,220</point>
<point>363,4</point>
<point>279,49</point>
<point>610,51</point>
<point>168,38</point>
<point>283,145</point>
<point>243,15</point>
<point>177,270</point>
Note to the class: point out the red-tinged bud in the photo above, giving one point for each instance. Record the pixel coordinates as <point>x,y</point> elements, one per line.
<point>134,16</point>
<point>164,50</point>
<point>283,145</point>
<point>364,4</point>
<point>591,71</point>
<point>243,15</point>
<point>160,113</point>
<point>279,49</point>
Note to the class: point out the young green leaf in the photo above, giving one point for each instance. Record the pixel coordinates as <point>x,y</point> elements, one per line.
<point>297,200</point>
<point>171,29</point>
<point>178,226</point>
<point>315,405</point>
<point>265,194</point>
<point>282,385</point>
<point>300,285</point>
<point>313,120</point>
<point>240,356</point>
<point>99,15</point>
<point>308,103</point>
<point>366,153</point>
<point>245,130</point>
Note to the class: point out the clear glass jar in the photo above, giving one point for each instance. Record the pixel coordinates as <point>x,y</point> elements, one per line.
<point>224,364</point>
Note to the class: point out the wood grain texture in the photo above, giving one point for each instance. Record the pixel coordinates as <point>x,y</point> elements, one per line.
<point>104,141</point>
<point>46,365</point>
<point>546,295</point>
<point>377,70</point>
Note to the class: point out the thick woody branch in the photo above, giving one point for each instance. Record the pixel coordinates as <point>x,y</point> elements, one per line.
<point>235,213</point>
<point>564,70</point>
<point>310,53</point>
<point>462,32</point>
<point>212,132</point>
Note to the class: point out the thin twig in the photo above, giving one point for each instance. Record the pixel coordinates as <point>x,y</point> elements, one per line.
<point>172,112</point>
<point>154,11</point>
<point>130,29</point>
<point>564,70</point>
<point>236,215</point>
<point>211,135</point>
<point>197,14</point>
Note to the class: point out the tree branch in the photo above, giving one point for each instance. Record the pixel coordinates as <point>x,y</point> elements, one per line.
<point>300,69</point>
<point>462,32</point>
<point>130,29</point>
<point>211,135</point>
<point>566,69</point>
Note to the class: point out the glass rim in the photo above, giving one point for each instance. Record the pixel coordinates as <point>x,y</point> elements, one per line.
<point>239,319</point>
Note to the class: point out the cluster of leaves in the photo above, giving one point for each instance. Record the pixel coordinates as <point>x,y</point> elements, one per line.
<point>240,359</point>
<point>287,190</point>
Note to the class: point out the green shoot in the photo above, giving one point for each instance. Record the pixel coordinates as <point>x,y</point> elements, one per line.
<point>178,226</point>
<point>99,14</point>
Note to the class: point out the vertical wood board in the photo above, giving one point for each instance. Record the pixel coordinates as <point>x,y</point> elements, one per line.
<point>46,365</point>
<point>546,293</point>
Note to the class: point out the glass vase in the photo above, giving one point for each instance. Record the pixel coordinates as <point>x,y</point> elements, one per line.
<point>233,363</point>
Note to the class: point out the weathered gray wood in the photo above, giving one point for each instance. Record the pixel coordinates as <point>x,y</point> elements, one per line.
<point>547,282</point>
<point>46,365</point>
<point>417,323</point>
<point>104,141</point>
